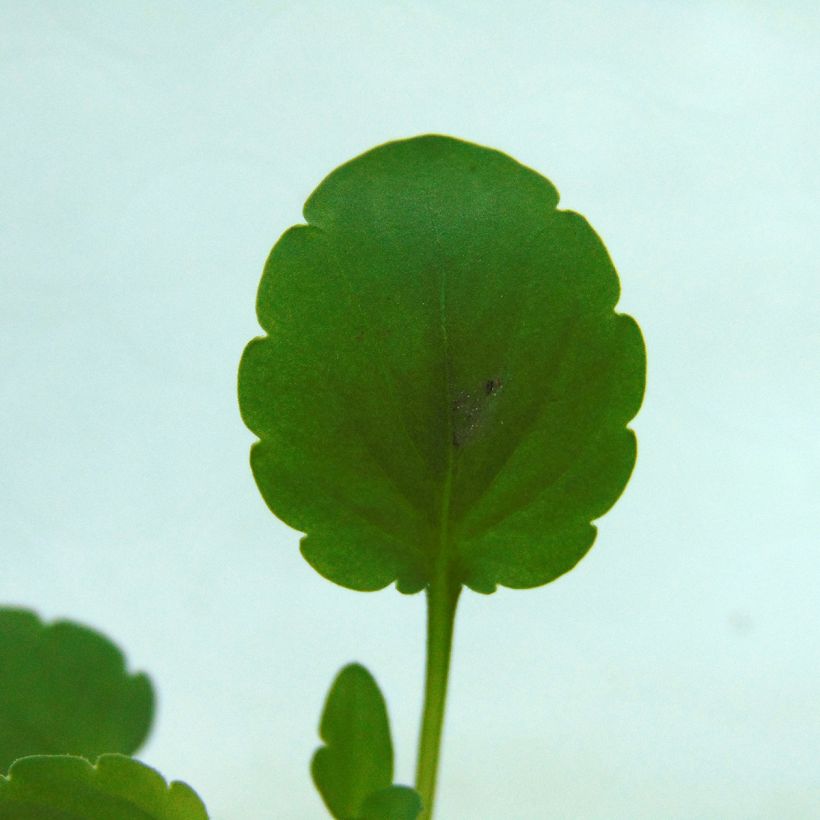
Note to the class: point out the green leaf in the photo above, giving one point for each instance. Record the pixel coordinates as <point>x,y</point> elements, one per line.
<point>444,381</point>
<point>393,803</point>
<point>116,788</point>
<point>64,689</point>
<point>357,759</point>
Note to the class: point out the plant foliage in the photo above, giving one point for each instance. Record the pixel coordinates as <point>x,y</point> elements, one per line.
<point>116,788</point>
<point>444,381</point>
<point>353,771</point>
<point>64,689</point>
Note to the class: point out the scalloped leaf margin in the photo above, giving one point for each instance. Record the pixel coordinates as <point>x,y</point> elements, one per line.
<point>65,689</point>
<point>116,787</point>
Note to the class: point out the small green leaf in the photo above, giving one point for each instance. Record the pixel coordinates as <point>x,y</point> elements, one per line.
<point>357,758</point>
<point>444,381</point>
<point>64,689</point>
<point>393,803</point>
<point>116,788</point>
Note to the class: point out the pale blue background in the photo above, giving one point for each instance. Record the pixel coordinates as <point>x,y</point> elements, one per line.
<point>150,154</point>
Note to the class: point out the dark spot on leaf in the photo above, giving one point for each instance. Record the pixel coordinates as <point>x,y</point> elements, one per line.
<point>470,410</point>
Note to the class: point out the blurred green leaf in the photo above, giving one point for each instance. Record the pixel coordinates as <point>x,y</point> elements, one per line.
<point>64,689</point>
<point>357,758</point>
<point>393,803</point>
<point>444,380</point>
<point>116,788</point>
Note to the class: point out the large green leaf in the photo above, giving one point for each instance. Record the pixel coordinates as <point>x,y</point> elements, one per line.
<point>445,381</point>
<point>64,689</point>
<point>116,788</point>
<point>357,758</point>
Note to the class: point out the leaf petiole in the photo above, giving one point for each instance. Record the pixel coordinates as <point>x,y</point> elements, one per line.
<point>442,599</point>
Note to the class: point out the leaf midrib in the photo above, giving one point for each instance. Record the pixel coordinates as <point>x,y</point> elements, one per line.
<point>441,559</point>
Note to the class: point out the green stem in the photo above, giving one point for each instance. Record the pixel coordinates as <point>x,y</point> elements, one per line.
<point>442,599</point>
